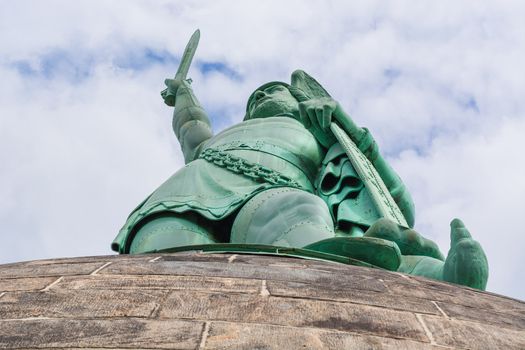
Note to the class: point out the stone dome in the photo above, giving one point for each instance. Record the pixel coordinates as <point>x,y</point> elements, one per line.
<point>195,300</point>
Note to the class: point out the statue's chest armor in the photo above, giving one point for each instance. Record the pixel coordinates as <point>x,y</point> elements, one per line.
<point>284,133</point>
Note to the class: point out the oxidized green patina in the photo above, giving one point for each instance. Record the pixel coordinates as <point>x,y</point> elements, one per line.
<point>281,182</point>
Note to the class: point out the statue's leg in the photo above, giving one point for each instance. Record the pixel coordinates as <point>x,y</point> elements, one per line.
<point>409,241</point>
<point>171,230</point>
<point>424,266</point>
<point>286,217</point>
<point>466,262</point>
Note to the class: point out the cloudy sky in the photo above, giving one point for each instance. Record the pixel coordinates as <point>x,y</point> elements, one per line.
<point>85,136</point>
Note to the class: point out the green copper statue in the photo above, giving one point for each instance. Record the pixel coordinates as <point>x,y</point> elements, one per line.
<point>297,172</point>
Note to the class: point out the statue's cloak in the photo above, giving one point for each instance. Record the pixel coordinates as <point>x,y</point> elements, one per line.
<point>343,191</point>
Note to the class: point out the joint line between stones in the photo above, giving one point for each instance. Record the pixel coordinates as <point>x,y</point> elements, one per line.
<point>425,328</point>
<point>100,268</point>
<point>38,318</point>
<point>353,302</point>
<point>156,310</point>
<point>404,276</point>
<point>384,284</point>
<point>45,289</point>
<point>440,309</point>
<point>264,290</point>
<point>204,336</point>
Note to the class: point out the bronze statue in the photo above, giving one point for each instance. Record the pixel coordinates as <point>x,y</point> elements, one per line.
<point>296,172</point>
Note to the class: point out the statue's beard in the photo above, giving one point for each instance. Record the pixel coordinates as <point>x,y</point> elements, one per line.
<point>272,108</point>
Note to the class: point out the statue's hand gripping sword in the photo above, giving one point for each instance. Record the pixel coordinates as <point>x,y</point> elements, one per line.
<point>381,197</point>
<point>169,93</point>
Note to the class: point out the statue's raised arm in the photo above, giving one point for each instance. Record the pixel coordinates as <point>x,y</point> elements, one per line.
<point>190,122</point>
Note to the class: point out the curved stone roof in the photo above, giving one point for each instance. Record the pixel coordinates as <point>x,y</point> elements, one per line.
<point>226,301</point>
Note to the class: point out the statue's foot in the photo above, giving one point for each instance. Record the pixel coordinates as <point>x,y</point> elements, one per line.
<point>374,251</point>
<point>466,262</point>
<point>409,241</point>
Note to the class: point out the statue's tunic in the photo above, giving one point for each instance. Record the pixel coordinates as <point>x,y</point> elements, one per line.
<point>285,146</point>
<point>280,143</point>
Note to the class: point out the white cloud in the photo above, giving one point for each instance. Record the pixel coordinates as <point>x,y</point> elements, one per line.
<point>84,137</point>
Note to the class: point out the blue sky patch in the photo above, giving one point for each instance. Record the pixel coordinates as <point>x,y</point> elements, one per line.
<point>391,75</point>
<point>471,104</point>
<point>54,64</point>
<point>145,58</point>
<point>24,68</point>
<point>210,67</point>
<point>75,66</point>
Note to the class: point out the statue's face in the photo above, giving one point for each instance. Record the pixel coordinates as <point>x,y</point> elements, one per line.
<point>273,100</point>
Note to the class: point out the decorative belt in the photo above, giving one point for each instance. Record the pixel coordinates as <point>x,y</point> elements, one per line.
<point>304,164</point>
<point>238,165</point>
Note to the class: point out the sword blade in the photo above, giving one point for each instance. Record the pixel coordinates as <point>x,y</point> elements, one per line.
<point>187,57</point>
<point>381,197</point>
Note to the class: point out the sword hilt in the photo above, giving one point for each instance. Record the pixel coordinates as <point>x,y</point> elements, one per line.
<point>169,95</point>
